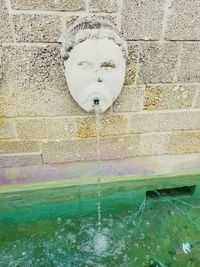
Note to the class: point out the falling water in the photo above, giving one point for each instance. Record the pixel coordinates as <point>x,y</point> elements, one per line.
<point>98,163</point>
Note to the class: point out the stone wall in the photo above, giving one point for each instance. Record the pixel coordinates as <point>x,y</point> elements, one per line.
<point>158,111</point>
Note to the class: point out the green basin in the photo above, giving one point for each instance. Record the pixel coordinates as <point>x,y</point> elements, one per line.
<point>130,222</point>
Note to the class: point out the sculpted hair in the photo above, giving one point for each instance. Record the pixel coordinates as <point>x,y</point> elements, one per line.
<point>91,28</point>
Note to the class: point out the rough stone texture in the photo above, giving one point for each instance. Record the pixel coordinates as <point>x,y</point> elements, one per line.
<point>37,28</point>
<point>60,127</point>
<point>7,128</point>
<point>11,160</point>
<point>5,24</point>
<point>131,64</point>
<point>164,121</point>
<point>114,147</point>
<point>0,67</point>
<point>197,100</point>
<point>69,5</point>
<point>69,20</point>
<point>154,143</point>
<point>142,123</point>
<point>142,19</point>
<point>34,83</point>
<point>184,142</point>
<point>160,97</point>
<point>113,125</point>
<point>69,150</point>
<point>190,63</point>
<point>31,128</point>
<point>19,146</point>
<point>180,120</point>
<point>184,21</point>
<point>108,6</point>
<point>130,99</point>
<point>157,62</point>
<point>86,127</point>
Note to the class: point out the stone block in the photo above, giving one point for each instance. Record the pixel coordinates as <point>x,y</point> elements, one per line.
<point>157,62</point>
<point>33,83</point>
<point>5,24</point>
<point>37,28</point>
<point>31,128</point>
<point>130,99</point>
<point>69,150</point>
<point>142,123</point>
<point>161,97</point>
<point>197,100</point>
<point>86,127</point>
<point>109,6</point>
<point>12,160</point>
<point>184,21</point>
<point>69,5</point>
<point>135,16</point>
<point>60,127</point>
<point>7,128</point>
<point>154,144</point>
<point>184,142</point>
<point>131,64</point>
<point>19,146</point>
<point>113,125</point>
<point>190,63</point>
<point>178,120</point>
<point>164,121</point>
<point>115,147</point>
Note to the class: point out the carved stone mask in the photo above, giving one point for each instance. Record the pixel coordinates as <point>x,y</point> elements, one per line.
<point>95,71</point>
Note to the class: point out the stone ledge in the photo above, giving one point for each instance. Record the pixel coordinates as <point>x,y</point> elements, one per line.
<point>117,169</point>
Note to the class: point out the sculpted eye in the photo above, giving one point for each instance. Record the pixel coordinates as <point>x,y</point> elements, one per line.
<point>85,64</point>
<point>108,65</point>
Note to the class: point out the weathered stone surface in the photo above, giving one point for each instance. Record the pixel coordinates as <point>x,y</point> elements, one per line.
<point>197,100</point>
<point>11,160</point>
<point>135,16</point>
<point>160,97</point>
<point>69,150</point>
<point>113,125</point>
<point>154,143</point>
<point>184,21</point>
<point>184,142</point>
<point>190,63</point>
<point>119,147</point>
<point>19,146</point>
<point>69,20</point>
<point>103,6</point>
<point>60,127</point>
<point>130,99</point>
<point>157,62</point>
<point>37,28</point>
<point>7,128</point>
<point>31,128</point>
<point>5,24</point>
<point>69,5</point>
<point>180,120</point>
<point>131,64</point>
<point>86,127</point>
<point>164,121</point>
<point>34,84</point>
<point>142,123</point>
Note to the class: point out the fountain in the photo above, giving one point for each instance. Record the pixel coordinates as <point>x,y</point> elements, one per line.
<point>94,52</point>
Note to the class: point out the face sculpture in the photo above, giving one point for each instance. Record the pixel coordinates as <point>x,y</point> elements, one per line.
<point>95,72</point>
